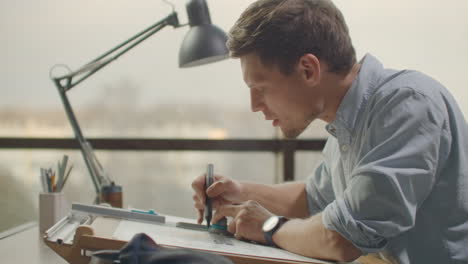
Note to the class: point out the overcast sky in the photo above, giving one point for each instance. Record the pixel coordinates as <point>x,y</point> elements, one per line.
<point>427,35</point>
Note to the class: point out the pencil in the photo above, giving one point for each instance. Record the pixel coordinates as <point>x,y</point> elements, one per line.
<point>66,177</point>
<point>52,182</point>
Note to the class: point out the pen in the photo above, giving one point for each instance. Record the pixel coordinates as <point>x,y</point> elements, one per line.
<point>66,177</point>
<point>208,205</point>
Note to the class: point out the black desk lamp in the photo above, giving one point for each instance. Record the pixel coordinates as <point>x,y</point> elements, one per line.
<point>204,43</point>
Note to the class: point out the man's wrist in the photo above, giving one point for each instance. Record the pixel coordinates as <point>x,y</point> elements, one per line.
<point>271,226</point>
<point>245,191</point>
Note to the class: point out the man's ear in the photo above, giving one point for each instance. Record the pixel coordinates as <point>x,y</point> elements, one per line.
<point>309,67</point>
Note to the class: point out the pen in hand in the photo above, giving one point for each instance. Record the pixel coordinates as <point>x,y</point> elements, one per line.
<point>208,204</point>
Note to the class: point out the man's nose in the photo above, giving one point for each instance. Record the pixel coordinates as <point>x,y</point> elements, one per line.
<point>255,101</point>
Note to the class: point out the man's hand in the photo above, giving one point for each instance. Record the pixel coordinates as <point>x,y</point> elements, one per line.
<point>247,220</point>
<point>223,191</point>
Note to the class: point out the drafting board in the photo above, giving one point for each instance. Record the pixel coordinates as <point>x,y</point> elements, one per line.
<point>75,236</point>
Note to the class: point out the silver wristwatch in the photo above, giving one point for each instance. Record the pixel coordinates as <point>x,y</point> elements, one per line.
<point>270,226</point>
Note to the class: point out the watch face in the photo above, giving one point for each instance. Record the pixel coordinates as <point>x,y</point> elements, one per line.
<point>270,223</point>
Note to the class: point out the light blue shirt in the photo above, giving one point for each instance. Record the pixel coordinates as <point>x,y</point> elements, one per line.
<point>395,173</point>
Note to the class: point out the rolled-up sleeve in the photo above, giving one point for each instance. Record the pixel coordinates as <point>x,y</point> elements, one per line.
<point>394,174</point>
<point>319,186</point>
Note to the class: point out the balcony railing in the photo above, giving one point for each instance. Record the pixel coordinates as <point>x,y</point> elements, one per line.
<point>279,146</point>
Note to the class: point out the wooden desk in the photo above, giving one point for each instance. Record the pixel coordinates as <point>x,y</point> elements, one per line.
<point>26,246</point>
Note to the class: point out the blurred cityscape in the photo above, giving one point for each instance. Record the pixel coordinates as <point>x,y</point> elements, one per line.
<point>150,179</point>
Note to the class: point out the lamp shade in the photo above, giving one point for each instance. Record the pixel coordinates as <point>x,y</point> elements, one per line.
<point>205,42</point>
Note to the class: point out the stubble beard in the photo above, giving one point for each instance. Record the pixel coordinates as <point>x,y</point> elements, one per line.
<point>294,132</point>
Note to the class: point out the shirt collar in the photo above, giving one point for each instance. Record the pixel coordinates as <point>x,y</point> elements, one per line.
<point>356,98</point>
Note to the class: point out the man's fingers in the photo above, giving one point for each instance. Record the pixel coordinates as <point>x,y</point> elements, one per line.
<point>216,217</point>
<point>196,198</point>
<point>220,202</point>
<point>228,210</point>
<point>198,185</point>
<point>231,228</point>
<point>238,231</point>
<point>197,203</point>
<point>215,203</point>
<point>225,210</point>
<point>215,189</point>
<point>200,216</point>
<point>217,177</point>
<point>235,228</point>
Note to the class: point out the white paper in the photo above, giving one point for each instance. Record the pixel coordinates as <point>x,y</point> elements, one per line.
<point>170,235</point>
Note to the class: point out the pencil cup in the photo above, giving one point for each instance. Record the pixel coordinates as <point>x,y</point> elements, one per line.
<point>111,194</point>
<point>52,207</point>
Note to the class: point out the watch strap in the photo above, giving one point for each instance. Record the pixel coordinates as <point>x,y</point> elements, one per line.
<point>269,234</point>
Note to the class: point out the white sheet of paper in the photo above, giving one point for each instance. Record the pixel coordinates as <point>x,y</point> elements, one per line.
<point>170,235</point>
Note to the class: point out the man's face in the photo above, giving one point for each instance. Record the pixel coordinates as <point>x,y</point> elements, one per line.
<point>288,100</point>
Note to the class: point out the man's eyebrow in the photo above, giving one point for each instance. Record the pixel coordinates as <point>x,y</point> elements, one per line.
<point>253,84</point>
<point>255,87</point>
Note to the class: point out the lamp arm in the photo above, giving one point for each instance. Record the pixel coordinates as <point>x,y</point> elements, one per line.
<point>66,82</point>
<point>100,62</point>
<point>79,136</point>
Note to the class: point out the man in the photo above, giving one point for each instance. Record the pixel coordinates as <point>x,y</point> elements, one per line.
<point>394,179</point>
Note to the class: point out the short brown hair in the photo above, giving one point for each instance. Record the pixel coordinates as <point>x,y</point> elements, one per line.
<point>281,31</point>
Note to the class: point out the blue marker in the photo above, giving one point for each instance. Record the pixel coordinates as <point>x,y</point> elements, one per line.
<point>208,204</point>
<point>150,212</point>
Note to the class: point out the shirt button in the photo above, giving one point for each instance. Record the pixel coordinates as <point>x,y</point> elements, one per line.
<point>344,148</point>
